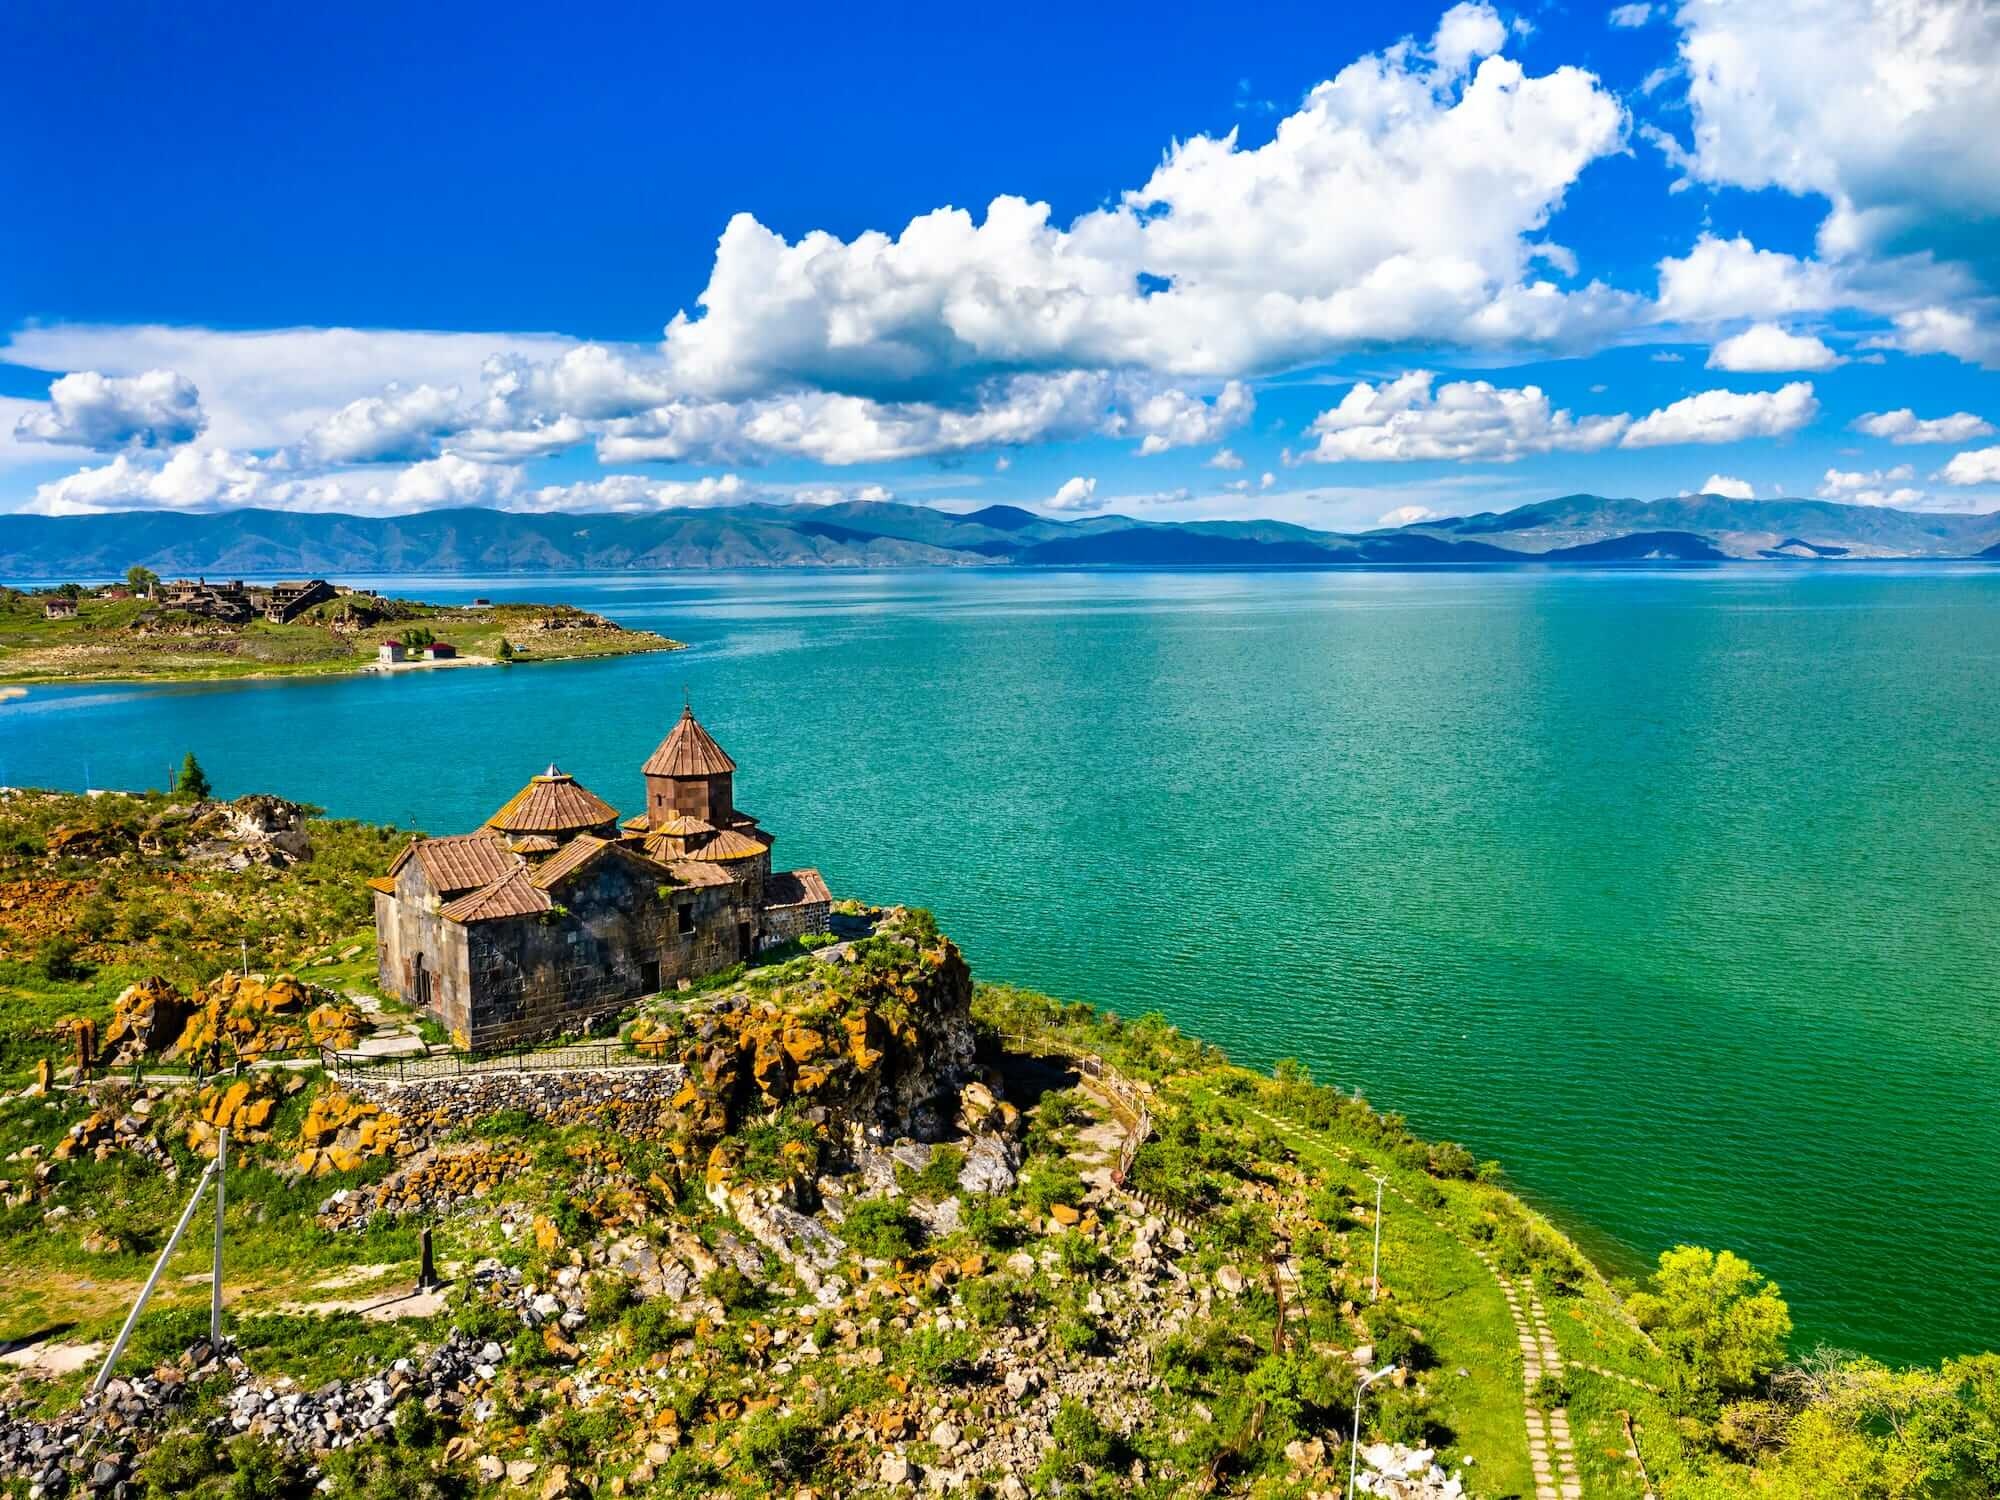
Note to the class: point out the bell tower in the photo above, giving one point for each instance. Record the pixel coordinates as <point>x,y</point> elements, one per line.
<point>690,776</point>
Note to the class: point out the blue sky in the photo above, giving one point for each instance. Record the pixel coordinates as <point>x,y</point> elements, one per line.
<point>1449,259</point>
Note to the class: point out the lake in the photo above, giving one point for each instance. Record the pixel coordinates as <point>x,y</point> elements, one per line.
<point>1674,889</point>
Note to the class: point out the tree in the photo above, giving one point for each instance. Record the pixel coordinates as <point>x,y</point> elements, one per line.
<point>506,649</point>
<point>1722,1325</point>
<point>140,580</point>
<point>192,780</point>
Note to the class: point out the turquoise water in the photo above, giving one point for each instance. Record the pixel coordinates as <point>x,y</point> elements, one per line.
<point>1674,890</point>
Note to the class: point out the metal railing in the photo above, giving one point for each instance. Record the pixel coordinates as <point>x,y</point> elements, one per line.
<point>571,1058</point>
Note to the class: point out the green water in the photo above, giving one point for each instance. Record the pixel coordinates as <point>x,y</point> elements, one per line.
<point>1671,889</point>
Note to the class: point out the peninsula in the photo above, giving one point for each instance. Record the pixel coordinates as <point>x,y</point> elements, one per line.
<point>821,1216</point>
<point>144,628</point>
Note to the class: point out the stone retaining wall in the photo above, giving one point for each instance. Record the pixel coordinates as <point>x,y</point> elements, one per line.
<point>636,1099</point>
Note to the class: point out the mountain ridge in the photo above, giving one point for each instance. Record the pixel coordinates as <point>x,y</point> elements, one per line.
<point>879,534</point>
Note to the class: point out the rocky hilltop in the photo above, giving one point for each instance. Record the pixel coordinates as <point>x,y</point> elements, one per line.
<point>843,1223</point>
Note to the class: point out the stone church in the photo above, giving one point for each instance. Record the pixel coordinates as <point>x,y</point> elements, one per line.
<point>555,914</point>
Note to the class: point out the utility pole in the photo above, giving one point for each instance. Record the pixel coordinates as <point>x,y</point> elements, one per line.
<point>215,1281</point>
<point>1375,1280</point>
<point>1354,1449</point>
<point>152,1281</point>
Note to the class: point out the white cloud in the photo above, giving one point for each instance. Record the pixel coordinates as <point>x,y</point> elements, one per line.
<point>201,479</point>
<point>1882,107</point>
<point>1963,333</point>
<point>1765,348</point>
<point>1874,487</point>
<point>1726,417</point>
<point>1224,458</point>
<point>1406,515</point>
<point>153,409</point>
<point>1266,480</point>
<point>1903,426</point>
<point>1403,420</point>
<point>1630,15</point>
<point>1397,202</point>
<point>268,388</point>
<point>1728,486</point>
<point>395,427</point>
<point>1174,419</point>
<point>636,492</point>
<point>1075,494</point>
<point>1719,280</point>
<point>1974,466</point>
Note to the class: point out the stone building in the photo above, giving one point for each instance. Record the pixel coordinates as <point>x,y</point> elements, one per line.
<point>554,914</point>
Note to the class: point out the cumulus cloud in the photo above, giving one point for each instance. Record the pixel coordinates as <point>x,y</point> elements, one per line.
<point>636,492</point>
<point>1224,458</point>
<point>1399,201</point>
<point>1726,417</point>
<point>397,426</point>
<point>1903,426</point>
<point>268,388</point>
<point>1174,419</point>
<point>1075,494</point>
<point>1630,15</point>
<point>1975,466</point>
<point>202,479</point>
<point>1720,280</point>
<point>1406,515</point>
<point>1404,420</point>
<point>1765,348</point>
<point>1872,487</point>
<point>1728,486</point>
<point>152,409</point>
<point>1962,332</point>
<point>1882,107</point>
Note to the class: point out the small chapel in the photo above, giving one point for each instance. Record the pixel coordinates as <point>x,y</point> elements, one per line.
<point>554,914</point>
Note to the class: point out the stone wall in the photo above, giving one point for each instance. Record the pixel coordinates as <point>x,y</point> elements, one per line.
<point>613,940</point>
<point>635,1100</point>
<point>783,923</point>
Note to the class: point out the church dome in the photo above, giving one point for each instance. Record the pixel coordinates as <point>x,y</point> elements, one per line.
<point>553,804</point>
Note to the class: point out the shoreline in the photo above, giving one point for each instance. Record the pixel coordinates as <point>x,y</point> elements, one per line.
<point>17,687</point>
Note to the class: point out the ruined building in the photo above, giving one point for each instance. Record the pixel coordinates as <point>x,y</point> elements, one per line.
<point>555,914</point>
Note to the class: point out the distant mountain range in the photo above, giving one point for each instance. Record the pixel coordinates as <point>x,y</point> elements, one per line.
<point>1575,528</point>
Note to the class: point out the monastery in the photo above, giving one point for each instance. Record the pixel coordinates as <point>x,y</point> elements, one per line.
<point>554,914</point>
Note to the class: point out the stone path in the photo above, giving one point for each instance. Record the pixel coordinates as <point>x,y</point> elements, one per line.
<point>1550,1450</point>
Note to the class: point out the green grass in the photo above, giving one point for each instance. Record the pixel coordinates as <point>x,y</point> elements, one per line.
<point>1442,1289</point>
<point>100,644</point>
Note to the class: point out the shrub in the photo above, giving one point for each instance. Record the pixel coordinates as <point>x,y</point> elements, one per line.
<point>56,960</point>
<point>879,1229</point>
<point>1453,1161</point>
<point>992,1301</point>
<point>786,1447</point>
<point>734,1290</point>
<point>938,1358</point>
<point>1051,1183</point>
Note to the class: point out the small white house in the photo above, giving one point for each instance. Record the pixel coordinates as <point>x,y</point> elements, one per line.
<point>391,651</point>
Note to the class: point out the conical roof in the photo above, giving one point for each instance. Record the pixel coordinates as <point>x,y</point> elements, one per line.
<point>689,750</point>
<point>728,844</point>
<point>552,803</point>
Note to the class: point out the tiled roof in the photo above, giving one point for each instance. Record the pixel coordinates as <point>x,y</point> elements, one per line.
<point>688,751</point>
<point>637,823</point>
<point>729,844</point>
<point>694,872</point>
<point>383,883</point>
<point>461,862</point>
<point>513,895</point>
<point>581,851</point>
<point>552,803</point>
<point>796,888</point>
<point>681,826</point>
<point>532,843</point>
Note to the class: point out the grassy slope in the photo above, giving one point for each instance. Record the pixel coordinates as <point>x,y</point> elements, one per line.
<point>99,644</point>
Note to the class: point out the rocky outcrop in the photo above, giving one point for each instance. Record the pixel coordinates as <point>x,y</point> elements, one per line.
<point>236,1017</point>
